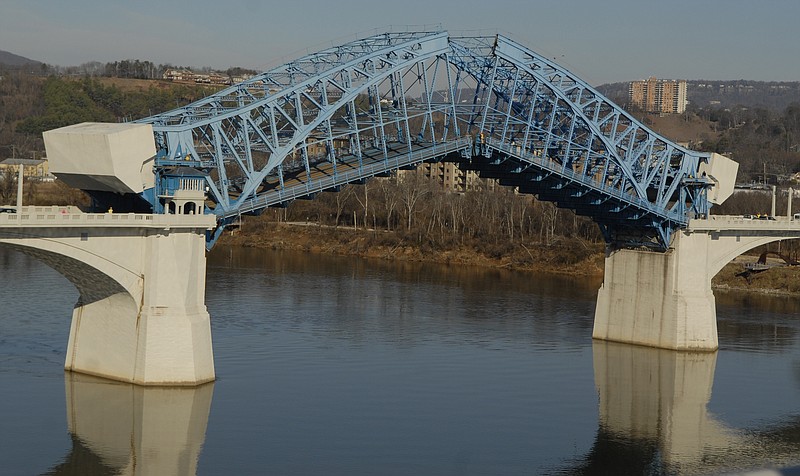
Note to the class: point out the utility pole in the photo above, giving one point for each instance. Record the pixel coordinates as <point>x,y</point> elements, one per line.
<point>19,189</point>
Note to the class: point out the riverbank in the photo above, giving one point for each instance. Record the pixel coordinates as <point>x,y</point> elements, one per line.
<point>564,256</point>
<point>569,256</point>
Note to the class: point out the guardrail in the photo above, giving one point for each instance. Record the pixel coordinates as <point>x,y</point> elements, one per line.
<point>340,178</point>
<point>67,216</point>
<point>738,222</point>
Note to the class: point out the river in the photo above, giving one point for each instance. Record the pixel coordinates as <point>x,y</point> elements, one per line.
<point>343,366</point>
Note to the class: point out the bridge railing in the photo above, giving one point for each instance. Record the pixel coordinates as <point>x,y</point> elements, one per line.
<point>69,216</point>
<point>288,194</point>
<point>738,222</point>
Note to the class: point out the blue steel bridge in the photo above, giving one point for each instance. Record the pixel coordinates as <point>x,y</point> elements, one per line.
<point>395,100</point>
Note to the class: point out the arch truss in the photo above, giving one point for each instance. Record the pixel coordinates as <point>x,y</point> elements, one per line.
<point>394,100</point>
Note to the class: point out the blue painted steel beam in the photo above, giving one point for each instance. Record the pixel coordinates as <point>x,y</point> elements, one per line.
<point>391,101</point>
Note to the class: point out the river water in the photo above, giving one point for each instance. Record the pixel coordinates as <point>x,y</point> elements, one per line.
<point>342,366</point>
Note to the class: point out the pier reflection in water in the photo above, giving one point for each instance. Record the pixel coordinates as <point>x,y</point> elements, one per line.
<point>333,365</point>
<point>654,418</point>
<point>123,429</point>
<point>657,399</point>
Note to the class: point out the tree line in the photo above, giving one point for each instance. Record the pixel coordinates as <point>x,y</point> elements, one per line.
<point>126,68</point>
<point>412,208</point>
<point>762,141</point>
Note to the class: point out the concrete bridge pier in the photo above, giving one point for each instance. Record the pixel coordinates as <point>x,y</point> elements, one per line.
<point>664,299</point>
<point>165,337</point>
<point>141,316</point>
<point>659,299</point>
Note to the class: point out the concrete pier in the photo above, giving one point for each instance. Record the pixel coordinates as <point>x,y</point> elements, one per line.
<point>657,299</point>
<point>664,299</point>
<point>141,316</point>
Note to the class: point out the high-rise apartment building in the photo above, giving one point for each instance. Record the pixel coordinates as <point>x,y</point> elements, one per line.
<point>658,95</point>
<point>451,178</point>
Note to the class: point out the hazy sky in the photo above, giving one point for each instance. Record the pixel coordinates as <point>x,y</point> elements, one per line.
<point>598,40</point>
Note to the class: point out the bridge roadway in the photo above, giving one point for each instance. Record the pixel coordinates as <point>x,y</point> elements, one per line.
<point>735,223</point>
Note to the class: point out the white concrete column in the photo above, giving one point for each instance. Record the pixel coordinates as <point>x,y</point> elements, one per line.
<point>659,299</point>
<point>772,214</point>
<point>19,187</point>
<point>157,331</point>
<point>789,203</point>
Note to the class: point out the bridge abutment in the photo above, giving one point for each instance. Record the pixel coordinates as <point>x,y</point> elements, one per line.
<point>659,299</point>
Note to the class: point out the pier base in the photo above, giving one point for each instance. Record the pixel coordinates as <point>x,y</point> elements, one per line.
<point>659,299</point>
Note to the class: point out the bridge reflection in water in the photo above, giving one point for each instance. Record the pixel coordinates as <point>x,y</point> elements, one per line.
<point>653,418</point>
<point>125,429</point>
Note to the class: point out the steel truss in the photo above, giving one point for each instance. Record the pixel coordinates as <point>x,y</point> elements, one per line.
<point>394,100</point>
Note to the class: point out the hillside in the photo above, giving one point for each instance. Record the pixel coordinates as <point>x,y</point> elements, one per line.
<point>10,59</point>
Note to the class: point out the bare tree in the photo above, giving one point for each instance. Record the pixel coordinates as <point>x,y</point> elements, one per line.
<point>365,202</point>
<point>341,199</point>
<point>388,189</point>
<point>412,187</point>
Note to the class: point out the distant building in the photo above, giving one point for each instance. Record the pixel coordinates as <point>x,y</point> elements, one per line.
<point>451,178</point>
<point>658,95</point>
<point>36,169</point>
<point>189,76</point>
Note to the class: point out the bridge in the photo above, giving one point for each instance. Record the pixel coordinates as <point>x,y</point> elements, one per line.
<point>393,101</point>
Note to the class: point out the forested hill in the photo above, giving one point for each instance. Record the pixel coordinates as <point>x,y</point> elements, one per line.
<point>771,95</point>
<point>10,59</point>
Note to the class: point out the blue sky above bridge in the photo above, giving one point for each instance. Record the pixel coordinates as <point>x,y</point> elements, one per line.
<point>615,40</point>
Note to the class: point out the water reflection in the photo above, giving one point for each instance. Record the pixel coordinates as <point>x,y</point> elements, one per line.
<point>125,429</point>
<point>740,328</point>
<point>653,418</point>
<point>407,302</point>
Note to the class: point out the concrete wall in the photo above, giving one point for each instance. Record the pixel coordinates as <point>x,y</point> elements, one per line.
<point>114,157</point>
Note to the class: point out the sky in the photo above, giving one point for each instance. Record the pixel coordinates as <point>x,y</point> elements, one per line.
<point>600,41</point>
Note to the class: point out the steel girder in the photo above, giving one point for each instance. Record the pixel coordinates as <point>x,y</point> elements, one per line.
<point>392,100</point>
<point>537,113</point>
<point>325,107</point>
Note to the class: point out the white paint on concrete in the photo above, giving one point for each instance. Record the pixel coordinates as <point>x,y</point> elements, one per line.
<point>665,299</point>
<point>113,157</point>
<point>141,316</point>
<point>722,173</point>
